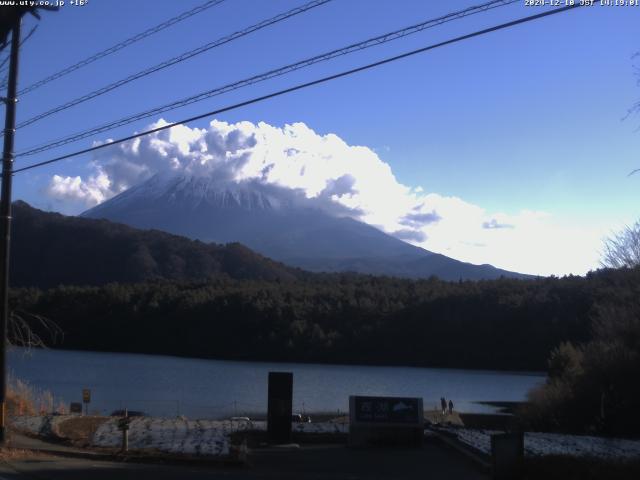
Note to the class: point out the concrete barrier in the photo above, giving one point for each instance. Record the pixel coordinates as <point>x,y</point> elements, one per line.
<point>507,455</point>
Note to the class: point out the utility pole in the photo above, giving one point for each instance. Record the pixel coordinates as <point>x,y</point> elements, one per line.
<point>5,216</point>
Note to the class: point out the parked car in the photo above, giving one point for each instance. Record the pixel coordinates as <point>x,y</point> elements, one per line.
<point>240,419</point>
<point>299,418</point>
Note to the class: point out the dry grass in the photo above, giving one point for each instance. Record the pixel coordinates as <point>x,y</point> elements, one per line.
<point>20,398</point>
<point>80,430</point>
<point>24,399</point>
<point>8,454</point>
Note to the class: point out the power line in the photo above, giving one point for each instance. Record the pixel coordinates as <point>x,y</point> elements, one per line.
<point>121,45</point>
<point>271,74</point>
<point>388,37</point>
<point>178,59</point>
<point>307,84</point>
<point>3,65</point>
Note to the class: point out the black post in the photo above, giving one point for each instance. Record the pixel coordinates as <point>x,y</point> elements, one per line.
<point>279,407</point>
<point>5,217</point>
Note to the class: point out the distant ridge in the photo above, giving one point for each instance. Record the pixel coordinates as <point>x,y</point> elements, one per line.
<point>49,249</point>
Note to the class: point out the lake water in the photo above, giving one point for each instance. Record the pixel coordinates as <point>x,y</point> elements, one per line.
<point>169,386</point>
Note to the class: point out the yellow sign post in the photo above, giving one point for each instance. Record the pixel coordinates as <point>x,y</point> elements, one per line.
<point>86,399</point>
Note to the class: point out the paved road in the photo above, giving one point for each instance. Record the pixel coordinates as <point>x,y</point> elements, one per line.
<point>310,462</point>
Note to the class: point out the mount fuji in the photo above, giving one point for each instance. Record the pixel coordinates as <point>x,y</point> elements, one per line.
<point>279,223</point>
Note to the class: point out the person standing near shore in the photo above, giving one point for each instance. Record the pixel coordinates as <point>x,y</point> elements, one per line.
<point>443,404</point>
<point>450,406</point>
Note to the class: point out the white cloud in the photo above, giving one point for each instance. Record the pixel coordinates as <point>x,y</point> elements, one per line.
<point>96,189</point>
<point>344,179</point>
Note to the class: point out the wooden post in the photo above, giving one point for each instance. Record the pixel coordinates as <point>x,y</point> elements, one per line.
<point>123,424</point>
<point>5,215</point>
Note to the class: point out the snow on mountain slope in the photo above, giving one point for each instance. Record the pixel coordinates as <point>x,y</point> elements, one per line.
<point>280,223</point>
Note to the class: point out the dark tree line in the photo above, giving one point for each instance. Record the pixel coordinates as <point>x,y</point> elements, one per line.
<point>593,385</point>
<point>500,324</point>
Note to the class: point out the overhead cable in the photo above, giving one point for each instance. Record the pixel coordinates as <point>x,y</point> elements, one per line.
<point>119,46</point>
<point>387,37</point>
<point>306,85</point>
<point>175,60</point>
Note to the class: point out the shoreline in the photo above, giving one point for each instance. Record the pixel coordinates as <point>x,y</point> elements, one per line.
<point>469,369</point>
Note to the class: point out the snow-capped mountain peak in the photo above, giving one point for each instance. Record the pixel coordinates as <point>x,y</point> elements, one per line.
<point>277,222</point>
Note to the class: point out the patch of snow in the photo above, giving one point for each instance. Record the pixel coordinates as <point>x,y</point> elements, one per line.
<point>306,427</point>
<point>580,446</point>
<point>540,444</point>
<point>30,424</point>
<point>320,427</point>
<point>38,424</point>
<point>171,435</point>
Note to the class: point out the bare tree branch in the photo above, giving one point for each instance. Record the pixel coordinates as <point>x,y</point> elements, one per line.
<point>23,328</point>
<point>623,249</point>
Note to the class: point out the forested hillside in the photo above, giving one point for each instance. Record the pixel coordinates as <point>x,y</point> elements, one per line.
<point>501,324</point>
<point>50,249</point>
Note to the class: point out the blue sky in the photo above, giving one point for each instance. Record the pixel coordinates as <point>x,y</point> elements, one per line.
<point>522,123</point>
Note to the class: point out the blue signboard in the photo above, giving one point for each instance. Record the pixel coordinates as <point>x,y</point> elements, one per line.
<point>387,410</point>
